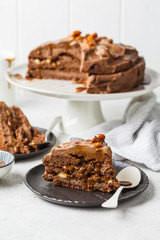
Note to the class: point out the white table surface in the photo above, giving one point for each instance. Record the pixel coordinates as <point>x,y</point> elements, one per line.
<point>24,216</point>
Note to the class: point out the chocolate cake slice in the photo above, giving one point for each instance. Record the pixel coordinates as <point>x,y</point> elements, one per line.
<point>100,64</point>
<point>16,133</point>
<point>6,131</point>
<point>86,165</point>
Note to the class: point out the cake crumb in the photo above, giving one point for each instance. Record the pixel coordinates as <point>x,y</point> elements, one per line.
<point>1,163</point>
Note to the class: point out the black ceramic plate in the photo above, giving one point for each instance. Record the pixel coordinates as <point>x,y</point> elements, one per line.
<point>51,138</point>
<point>77,198</point>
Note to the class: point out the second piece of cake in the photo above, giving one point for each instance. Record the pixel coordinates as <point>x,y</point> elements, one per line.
<point>86,165</point>
<point>17,136</point>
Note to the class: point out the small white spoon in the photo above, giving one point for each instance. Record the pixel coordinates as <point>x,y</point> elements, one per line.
<point>53,124</point>
<point>128,174</point>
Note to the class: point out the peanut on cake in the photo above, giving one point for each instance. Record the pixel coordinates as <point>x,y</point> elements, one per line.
<point>16,133</point>
<point>101,65</point>
<point>86,165</point>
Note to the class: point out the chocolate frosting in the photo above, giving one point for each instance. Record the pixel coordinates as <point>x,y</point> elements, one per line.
<point>84,58</point>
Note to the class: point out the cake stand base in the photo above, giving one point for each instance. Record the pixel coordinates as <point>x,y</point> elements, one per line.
<point>80,115</point>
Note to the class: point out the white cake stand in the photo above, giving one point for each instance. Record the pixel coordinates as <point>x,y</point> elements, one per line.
<point>82,110</point>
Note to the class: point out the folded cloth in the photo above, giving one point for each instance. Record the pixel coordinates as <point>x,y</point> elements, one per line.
<point>136,137</point>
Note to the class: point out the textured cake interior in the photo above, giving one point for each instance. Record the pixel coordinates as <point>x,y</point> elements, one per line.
<point>100,64</point>
<point>86,164</point>
<point>16,133</point>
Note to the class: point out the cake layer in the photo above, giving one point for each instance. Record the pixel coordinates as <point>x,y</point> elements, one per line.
<point>93,169</point>
<point>90,185</point>
<point>61,63</point>
<point>54,50</point>
<point>77,170</point>
<point>86,164</point>
<point>118,82</point>
<point>54,74</point>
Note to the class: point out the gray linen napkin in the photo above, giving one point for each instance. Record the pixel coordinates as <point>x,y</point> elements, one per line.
<point>136,137</point>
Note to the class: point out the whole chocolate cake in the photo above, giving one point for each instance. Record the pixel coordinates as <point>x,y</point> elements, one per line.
<point>101,65</point>
<point>86,165</point>
<point>16,133</point>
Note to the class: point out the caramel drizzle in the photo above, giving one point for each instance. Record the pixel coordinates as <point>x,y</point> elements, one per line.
<point>9,60</point>
<point>125,183</point>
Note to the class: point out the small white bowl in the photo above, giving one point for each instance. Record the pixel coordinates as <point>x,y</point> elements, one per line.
<point>8,160</point>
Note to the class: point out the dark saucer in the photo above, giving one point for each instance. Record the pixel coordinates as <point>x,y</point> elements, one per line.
<point>77,198</point>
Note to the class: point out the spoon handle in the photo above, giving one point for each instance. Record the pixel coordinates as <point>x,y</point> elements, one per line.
<point>113,201</point>
<point>55,121</point>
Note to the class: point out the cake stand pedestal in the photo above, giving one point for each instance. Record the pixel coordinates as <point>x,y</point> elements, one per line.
<point>82,111</point>
<point>80,115</point>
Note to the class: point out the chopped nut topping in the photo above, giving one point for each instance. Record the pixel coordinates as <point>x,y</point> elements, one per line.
<point>62,175</point>
<point>48,61</point>
<point>7,113</point>
<point>79,37</point>
<point>90,44</point>
<point>90,38</point>
<point>76,33</point>
<point>94,35</point>
<point>37,61</point>
<point>110,181</point>
<point>54,64</point>
<point>98,144</point>
<point>71,38</point>
<point>68,168</point>
<point>98,138</point>
<point>110,40</point>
